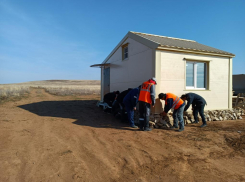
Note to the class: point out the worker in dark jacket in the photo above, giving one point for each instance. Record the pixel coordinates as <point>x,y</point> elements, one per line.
<point>174,102</point>
<point>198,103</point>
<point>121,96</point>
<point>109,98</point>
<point>130,101</point>
<point>118,106</point>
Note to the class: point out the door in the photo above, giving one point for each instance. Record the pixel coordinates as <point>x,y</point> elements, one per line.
<point>106,80</point>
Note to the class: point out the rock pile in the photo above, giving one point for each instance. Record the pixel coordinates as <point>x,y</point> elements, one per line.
<point>158,121</point>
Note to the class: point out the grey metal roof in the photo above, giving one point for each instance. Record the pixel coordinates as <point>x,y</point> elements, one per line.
<point>176,43</point>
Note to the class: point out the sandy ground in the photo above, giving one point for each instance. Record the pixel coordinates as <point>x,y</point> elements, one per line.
<point>67,138</point>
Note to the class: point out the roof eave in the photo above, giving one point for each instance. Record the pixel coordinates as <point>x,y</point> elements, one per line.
<point>195,51</point>
<point>100,65</point>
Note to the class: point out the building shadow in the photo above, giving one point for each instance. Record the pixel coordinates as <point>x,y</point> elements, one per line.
<point>85,112</point>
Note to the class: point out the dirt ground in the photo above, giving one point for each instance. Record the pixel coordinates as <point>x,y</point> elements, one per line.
<point>67,138</point>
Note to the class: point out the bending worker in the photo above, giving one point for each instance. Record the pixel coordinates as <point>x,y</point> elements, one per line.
<point>130,101</point>
<point>198,104</point>
<point>118,104</point>
<point>110,97</point>
<point>146,98</point>
<point>173,101</point>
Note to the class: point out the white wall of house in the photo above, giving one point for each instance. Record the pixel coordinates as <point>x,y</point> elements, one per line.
<point>173,77</point>
<point>131,72</point>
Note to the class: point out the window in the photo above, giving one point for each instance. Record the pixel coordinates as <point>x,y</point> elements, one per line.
<point>196,75</point>
<point>125,51</point>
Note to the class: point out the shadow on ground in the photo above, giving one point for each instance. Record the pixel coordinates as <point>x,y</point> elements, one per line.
<point>84,111</point>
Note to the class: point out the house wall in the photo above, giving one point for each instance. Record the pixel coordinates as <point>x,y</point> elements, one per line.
<point>173,78</point>
<point>238,83</point>
<point>131,72</point>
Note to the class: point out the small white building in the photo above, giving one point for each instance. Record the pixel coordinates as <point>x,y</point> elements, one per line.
<point>179,65</point>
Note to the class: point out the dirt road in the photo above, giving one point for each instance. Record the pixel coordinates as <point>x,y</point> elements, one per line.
<point>67,138</point>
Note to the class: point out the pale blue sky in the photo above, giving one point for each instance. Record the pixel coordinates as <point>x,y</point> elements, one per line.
<point>60,39</point>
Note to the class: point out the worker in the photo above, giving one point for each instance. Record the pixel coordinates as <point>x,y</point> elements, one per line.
<point>174,102</point>
<point>109,98</point>
<point>198,103</point>
<point>130,101</point>
<point>118,106</point>
<point>146,98</point>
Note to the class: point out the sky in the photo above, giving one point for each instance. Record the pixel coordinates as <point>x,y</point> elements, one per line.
<point>60,39</point>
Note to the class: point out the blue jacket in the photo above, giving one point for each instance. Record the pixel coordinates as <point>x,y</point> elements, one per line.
<point>131,99</point>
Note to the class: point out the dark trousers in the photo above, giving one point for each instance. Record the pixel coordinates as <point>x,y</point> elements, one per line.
<point>199,109</point>
<point>123,113</point>
<point>130,113</point>
<point>115,107</point>
<point>144,111</point>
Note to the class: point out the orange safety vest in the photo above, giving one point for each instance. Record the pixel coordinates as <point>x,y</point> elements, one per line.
<point>177,102</point>
<point>145,94</point>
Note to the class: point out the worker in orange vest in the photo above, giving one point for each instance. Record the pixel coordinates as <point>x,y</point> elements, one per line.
<point>146,98</point>
<point>176,103</point>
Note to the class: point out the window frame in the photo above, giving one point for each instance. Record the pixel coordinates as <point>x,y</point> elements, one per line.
<point>124,52</point>
<point>195,75</point>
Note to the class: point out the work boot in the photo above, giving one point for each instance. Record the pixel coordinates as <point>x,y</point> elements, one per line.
<point>173,127</point>
<point>134,126</point>
<point>203,125</point>
<point>181,129</point>
<point>147,129</point>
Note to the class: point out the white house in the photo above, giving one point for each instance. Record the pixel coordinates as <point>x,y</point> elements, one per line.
<point>179,65</point>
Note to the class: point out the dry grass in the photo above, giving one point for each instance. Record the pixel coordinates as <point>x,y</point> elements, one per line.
<point>72,90</point>
<point>13,91</point>
<point>56,87</point>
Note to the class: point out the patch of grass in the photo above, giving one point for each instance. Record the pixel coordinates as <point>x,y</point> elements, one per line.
<point>12,93</point>
<point>56,87</point>
<point>73,90</point>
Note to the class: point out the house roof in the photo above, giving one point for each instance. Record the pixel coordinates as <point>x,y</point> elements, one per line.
<point>170,44</point>
<point>177,43</point>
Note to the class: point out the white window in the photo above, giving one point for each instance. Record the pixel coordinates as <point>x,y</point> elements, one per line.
<point>196,75</point>
<point>125,51</point>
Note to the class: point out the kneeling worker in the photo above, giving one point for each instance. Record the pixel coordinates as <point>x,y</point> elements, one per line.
<point>173,101</point>
<point>198,104</point>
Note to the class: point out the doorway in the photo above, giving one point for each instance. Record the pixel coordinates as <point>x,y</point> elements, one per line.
<point>106,80</point>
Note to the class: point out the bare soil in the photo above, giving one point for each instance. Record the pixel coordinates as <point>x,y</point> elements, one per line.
<point>67,138</point>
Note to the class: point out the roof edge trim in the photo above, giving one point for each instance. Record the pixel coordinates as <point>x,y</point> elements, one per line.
<point>195,52</point>
<point>100,65</point>
<point>163,36</point>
